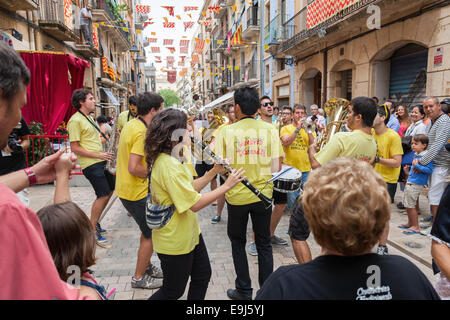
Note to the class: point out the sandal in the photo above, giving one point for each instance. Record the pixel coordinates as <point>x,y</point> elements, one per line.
<point>410,231</point>
<point>404,226</point>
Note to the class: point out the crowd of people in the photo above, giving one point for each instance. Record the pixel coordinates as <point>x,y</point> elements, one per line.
<point>348,187</point>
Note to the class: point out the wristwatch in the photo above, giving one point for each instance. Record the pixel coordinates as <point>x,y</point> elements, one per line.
<point>377,159</point>
<point>297,130</point>
<point>32,180</point>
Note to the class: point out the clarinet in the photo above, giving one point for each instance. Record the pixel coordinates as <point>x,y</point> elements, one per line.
<point>266,201</point>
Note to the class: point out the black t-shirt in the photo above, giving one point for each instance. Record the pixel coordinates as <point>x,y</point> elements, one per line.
<point>366,277</point>
<point>14,161</point>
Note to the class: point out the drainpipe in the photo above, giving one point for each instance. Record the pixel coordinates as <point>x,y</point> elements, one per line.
<point>31,36</point>
<point>325,77</point>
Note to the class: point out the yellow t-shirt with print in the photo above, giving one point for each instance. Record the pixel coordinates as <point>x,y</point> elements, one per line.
<point>132,140</point>
<point>81,130</point>
<point>296,155</point>
<point>252,145</point>
<point>172,183</point>
<point>389,144</point>
<point>355,144</point>
<point>123,118</point>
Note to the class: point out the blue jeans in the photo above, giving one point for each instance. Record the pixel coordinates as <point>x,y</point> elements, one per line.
<point>291,196</point>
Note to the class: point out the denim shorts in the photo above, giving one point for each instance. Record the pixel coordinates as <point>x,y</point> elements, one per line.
<point>298,226</point>
<point>101,180</point>
<point>137,210</point>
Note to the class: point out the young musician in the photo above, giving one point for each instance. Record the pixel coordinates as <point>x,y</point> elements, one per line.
<point>132,185</point>
<point>86,144</point>
<point>255,146</point>
<point>179,243</point>
<point>127,115</point>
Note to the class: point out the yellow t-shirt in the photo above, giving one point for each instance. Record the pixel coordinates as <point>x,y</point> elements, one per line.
<point>132,140</point>
<point>81,130</point>
<point>389,145</point>
<point>355,144</point>
<point>296,155</point>
<point>172,183</point>
<point>123,119</point>
<point>249,144</point>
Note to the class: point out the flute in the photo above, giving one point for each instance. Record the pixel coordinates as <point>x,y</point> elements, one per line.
<point>266,201</point>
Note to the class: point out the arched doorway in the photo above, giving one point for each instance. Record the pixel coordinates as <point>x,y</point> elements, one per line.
<point>311,82</point>
<point>400,73</point>
<point>341,80</point>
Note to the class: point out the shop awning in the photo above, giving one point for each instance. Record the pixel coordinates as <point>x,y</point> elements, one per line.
<point>226,98</point>
<point>111,96</point>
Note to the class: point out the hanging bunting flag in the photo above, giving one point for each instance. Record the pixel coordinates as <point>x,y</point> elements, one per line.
<point>96,25</point>
<point>95,37</point>
<point>158,57</point>
<point>186,9</point>
<point>147,23</point>
<point>170,58</point>
<point>205,22</point>
<point>178,17</point>
<point>169,24</point>
<point>189,15</point>
<point>138,31</point>
<point>153,33</point>
<point>105,64</point>
<point>234,8</point>
<point>237,37</point>
<point>170,9</point>
<point>125,29</point>
<point>229,42</point>
<point>208,41</point>
<point>214,9</point>
<point>182,58</point>
<point>165,19</point>
<point>143,9</point>
<point>199,45</point>
<point>171,49</point>
<point>152,40</point>
<point>184,43</point>
<point>188,25</point>
<point>219,41</point>
<point>181,63</point>
<point>155,50</point>
<point>168,42</point>
<point>184,50</point>
<point>204,13</point>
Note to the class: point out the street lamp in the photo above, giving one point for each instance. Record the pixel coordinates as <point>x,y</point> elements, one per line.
<point>135,50</point>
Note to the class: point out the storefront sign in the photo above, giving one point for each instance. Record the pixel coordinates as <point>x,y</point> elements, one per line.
<point>5,38</point>
<point>438,56</point>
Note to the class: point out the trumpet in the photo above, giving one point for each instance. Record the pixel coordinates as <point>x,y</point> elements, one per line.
<point>308,125</point>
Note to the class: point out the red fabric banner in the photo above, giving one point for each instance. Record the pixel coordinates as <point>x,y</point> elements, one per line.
<point>54,77</point>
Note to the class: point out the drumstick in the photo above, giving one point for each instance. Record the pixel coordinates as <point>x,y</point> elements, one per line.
<point>279,174</point>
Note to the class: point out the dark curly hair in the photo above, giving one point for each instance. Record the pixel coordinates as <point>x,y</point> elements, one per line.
<point>159,134</point>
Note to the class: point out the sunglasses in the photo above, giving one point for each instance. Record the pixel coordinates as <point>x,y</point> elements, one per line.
<point>266,104</point>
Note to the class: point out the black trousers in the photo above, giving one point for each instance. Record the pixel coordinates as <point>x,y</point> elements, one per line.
<point>177,269</point>
<point>237,230</point>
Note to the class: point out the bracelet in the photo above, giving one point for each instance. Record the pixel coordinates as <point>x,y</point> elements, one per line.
<point>377,159</point>
<point>32,180</point>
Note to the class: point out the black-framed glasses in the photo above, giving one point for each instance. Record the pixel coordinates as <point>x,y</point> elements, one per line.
<point>266,104</point>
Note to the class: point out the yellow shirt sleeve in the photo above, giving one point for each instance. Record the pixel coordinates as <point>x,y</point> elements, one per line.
<point>74,129</point>
<point>331,150</point>
<point>138,145</point>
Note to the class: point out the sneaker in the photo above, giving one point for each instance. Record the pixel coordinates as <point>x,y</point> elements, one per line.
<point>427,219</point>
<point>100,238</point>
<point>426,231</point>
<point>215,220</point>
<point>236,295</point>
<point>154,271</point>
<point>401,206</point>
<point>99,229</point>
<point>252,249</point>
<point>146,282</point>
<point>278,241</point>
<point>425,225</point>
<point>382,250</point>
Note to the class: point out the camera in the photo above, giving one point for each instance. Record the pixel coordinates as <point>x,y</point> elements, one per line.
<point>13,140</point>
<point>313,118</point>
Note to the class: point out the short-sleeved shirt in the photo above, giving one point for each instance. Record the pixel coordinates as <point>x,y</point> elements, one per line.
<point>355,144</point>
<point>10,162</point>
<point>252,145</point>
<point>389,144</point>
<point>132,140</point>
<point>83,20</point>
<point>81,130</point>
<point>172,183</point>
<point>124,117</point>
<point>296,154</point>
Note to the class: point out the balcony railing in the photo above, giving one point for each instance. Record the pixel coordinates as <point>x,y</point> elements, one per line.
<point>296,24</point>
<point>276,31</point>
<point>53,20</point>
<point>115,16</point>
<point>15,5</point>
<point>252,17</point>
<point>238,76</point>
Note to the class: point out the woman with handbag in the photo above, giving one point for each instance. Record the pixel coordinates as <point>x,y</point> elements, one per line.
<point>179,242</point>
<point>417,127</point>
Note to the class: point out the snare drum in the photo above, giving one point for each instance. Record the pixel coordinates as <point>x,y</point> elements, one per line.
<point>289,181</point>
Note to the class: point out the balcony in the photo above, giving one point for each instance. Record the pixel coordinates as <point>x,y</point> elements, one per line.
<point>87,51</point>
<point>103,11</point>
<point>252,28</point>
<point>53,20</point>
<point>238,76</point>
<point>274,33</point>
<point>14,5</point>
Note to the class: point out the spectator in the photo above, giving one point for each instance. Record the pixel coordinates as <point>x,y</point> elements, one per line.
<point>416,182</point>
<point>275,115</point>
<point>315,117</point>
<point>438,131</point>
<point>286,116</point>
<point>23,248</point>
<point>393,123</point>
<point>416,127</point>
<point>376,100</point>
<point>110,121</point>
<point>404,119</point>
<point>12,157</point>
<point>387,162</point>
<point>86,24</point>
<point>347,206</point>
<point>104,128</point>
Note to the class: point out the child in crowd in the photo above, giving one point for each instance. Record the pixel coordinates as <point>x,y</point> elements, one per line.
<point>417,180</point>
<point>71,240</point>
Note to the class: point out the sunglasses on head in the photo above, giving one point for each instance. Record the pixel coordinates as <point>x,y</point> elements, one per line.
<point>266,104</point>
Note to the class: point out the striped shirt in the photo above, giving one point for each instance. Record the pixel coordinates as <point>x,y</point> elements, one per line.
<point>438,135</point>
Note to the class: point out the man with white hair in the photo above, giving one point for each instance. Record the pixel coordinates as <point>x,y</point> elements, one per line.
<point>320,123</point>
<point>438,131</point>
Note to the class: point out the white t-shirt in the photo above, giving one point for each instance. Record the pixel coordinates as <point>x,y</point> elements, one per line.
<point>83,19</point>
